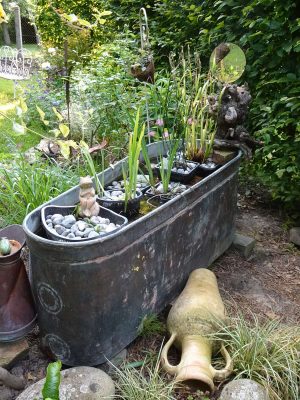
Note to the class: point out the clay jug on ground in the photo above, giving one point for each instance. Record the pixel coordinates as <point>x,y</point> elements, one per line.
<point>191,320</point>
<point>17,314</point>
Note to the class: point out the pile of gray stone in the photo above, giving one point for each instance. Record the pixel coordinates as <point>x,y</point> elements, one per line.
<point>68,227</point>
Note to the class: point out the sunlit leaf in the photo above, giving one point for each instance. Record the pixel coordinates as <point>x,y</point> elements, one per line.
<point>59,116</point>
<point>41,112</point>
<point>64,130</point>
<point>19,129</point>
<point>64,148</point>
<point>19,111</point>
<point>23,105</point>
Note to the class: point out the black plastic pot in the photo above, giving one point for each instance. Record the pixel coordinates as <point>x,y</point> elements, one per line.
<point>141,189</point>
<point>179,177</point>
<point>118,206</point>
<point>160,197</point>
<point>66,210</point>
<point>207,168</point>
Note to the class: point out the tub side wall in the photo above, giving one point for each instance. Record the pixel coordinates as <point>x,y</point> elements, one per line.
<point>91,299</point>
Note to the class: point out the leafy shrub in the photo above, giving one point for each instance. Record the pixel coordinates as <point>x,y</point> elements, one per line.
<point>268,32</point>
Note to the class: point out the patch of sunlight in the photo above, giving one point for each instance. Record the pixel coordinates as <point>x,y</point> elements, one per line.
<point>7,107</point>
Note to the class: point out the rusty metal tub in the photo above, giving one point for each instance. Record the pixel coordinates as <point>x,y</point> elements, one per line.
<point>91,297</point>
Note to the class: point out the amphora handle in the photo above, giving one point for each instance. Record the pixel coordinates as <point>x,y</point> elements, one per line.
<point>222,374</point>
<point>171,369</point>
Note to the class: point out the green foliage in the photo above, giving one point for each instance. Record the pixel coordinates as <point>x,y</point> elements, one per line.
<point>166,165</point>
<point>54,21</point>
<point>266,352</point>
<point>151,325</point>
<point>145,384</point>
<point>268,32</point>
<point>131,169</point>
<point>23,187</point>
<point>50,390</point>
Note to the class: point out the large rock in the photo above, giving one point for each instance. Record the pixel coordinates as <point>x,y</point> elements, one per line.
<point>12,352</point>
<point>244,389</point>
<point>295,236</point>
<point>79,383</point>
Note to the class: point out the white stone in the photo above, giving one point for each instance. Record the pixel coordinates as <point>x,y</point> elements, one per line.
<point>93,235</point>
<point>110,227</point>
<point>244,389</point>
<point>84,383</point>
<point>81,225</point>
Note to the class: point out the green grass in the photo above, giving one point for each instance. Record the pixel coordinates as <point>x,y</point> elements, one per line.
<point>23,187</point>
<point>146,383</point>
<point>266,352</point>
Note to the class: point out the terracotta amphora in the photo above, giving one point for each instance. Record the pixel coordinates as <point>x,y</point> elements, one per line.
<point>17,313</point>
<point>191,320</point>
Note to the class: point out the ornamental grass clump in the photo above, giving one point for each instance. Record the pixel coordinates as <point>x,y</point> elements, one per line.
<point>267,352</point>
<point>146,383</point>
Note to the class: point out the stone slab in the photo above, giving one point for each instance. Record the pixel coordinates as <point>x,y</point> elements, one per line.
<point>79,383</point>
<point>295,236</point>
<point>12,352</point>
<point>244,244</point>
<point>223,156</point>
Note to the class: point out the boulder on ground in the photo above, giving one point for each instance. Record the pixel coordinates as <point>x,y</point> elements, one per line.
<point>79,383</point>
<point>244,389</point>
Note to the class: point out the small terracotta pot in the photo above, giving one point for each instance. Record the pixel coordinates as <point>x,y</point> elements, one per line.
<point>17,313</point>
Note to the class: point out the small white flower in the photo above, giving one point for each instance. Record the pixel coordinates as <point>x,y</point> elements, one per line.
<point>52,50</point>
<point>46,66</point>
<point>73,18</point>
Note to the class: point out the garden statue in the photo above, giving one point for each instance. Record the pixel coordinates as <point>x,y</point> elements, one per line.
<point>17,314</point>
<point>230,108</point>
<point>144,69</point>
<point>194,316</point>
<point>88,206</point>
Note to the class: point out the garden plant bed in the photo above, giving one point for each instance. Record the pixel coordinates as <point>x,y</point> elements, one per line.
<point>128,274</point>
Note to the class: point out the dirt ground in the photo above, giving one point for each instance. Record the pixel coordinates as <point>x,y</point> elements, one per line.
<point>267,284</point>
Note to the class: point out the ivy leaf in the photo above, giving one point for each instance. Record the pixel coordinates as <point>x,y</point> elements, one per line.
<point>51,386</point>
<point>64,148</point>
<point>59,116</point>
<point>83,22</point>
<point>18,128</point>
<point>23,105</point>
<point>19,111</point>
<point>41,112</point>
<point>56,132</point>
<point>64,130</point>
<point>42,115</point>
<point>280,172</point>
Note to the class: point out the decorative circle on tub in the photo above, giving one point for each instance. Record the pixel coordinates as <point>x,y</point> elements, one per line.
<point>57,346</point>
<point>49,298</point>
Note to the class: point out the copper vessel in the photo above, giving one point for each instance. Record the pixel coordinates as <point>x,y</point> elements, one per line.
<point>17,313</point>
